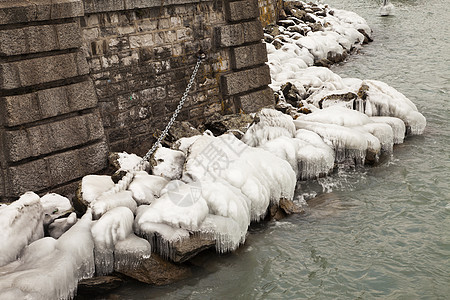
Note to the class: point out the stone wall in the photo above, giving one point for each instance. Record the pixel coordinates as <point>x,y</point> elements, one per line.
<point>79,78</point>
<point>51,132</point>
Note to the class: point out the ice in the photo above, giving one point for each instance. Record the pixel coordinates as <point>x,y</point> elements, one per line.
<point>93,186</point>
<point>181,205</point>
<point>146,188</point>
<point>260,175</point>
<point>60,226</point>
<point>115,225</point>
<point>387,9</point>
<point>130,251</point>
<point>184,143</point>
<point>128,161</point>
<point>349,144</point>
<point>54,205</point>
<point>107,201</point>
<point>397,125</point>
<point>384,133</point>
<point>168,163</point>
<point>21,223</point>
<point>49,268</point>
<point>269,124</point>
<point>387,101</point>
<point>338,115</point>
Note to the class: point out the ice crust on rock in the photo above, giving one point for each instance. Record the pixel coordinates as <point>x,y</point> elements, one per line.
<point>63,262</point>
<point>130,251</point>
<point>146,188</point>
<point>168,163</point>
<point>108,201</point>
<point>21,223</point>
<point>60,226</point>
<point>226,184</point>
<point>93,186</point>
<point>269,124</point>
<point>128,161</point>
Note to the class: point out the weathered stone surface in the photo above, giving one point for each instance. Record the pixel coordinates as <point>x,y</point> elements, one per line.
<point>186,249</point>
<point>247,56</point>
<point>47,138</point>
<point>242,10</point>
<point>47,103</point>
<point>242,81</point>
<point>22,11</point>
<point>31,176</point>
<point>98,285</point>
<point>254,101</point>
<point>41,70</point>
<point>238,34</point>
<point>284,208</point>
<point>157,271</point>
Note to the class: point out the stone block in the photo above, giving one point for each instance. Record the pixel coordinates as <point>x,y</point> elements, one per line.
<point>30,176</point>
<point>253,31</point>
<point>143,40</point>
<point>51,137</point>
<point>12,42</point>
<point>95,6</point>
<point>41,70</point>
<point>68,35</point>
<point>238,34</point>
<point>254,101</point>
<point>22,109</point>
<point>247,56</point>
<point>41,38</point>
<point>242,10</point>
<point>243,81</point>
<point>23,11</point>
<point>229,35</point>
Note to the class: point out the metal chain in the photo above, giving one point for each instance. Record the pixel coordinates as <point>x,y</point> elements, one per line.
<point>126,180</point>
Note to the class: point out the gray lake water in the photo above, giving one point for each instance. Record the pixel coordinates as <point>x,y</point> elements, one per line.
<point>374,232</point>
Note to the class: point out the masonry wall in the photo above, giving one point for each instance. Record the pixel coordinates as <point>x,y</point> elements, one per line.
<point>81,78</point>
<point>269,11</point>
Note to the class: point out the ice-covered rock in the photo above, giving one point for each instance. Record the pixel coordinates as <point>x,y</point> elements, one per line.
<point>128,162</point>
<point>21,223</point>
<point>93,186</point>
<point>113,226</point>
<point>49,268</point>
<point>110,200</point>
<point>269,124</point>
<point>168,163</point>
<point>60,226</point>
<point>55,206</point>
<point>146,188</point>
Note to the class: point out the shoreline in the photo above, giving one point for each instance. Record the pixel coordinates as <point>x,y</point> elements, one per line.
<point>278,126</point>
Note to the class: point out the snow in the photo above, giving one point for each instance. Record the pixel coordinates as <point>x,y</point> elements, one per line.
<point>21,223</point>
<point>49,268</point>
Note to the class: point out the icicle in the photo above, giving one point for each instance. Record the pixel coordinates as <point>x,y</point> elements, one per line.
<point>397,125</point>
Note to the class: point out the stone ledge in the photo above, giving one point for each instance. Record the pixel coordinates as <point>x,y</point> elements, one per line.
<point>238,34</point>
<point>34,39</point>
<point>47,138</point>
<point>243,81</point>
<point>22,109</point>
<point>247,56</point>
<point>242,10</point>
<point>23,11</point>
<point>41,70</point>
<point>56,169</point>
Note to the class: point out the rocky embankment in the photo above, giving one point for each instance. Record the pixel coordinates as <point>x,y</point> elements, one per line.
<point>202,189</point>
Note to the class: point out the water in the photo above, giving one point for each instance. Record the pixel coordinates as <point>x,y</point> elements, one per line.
<point>381,232</point>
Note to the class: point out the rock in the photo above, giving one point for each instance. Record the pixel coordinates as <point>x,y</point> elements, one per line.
<point>316,27</point>
<point>185,249</point>
<point>277,44</point>
<point>346,97</point>
<point>179,130</point>
<point>98,285</point>
<point>291,94</point>
<point>272,29</point>
<point>336,57</point>
<point>113,159</point>
<point>289,207</point>
<point>284,208</point>
<point>322,63</point>
<point>367,37</point>
<point>157,271</point>
<point>219,124</point>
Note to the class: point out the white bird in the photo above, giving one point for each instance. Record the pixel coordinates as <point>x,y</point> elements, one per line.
<point>387,8</point>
